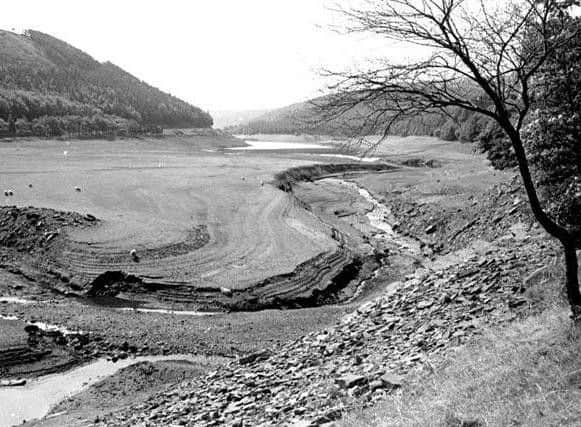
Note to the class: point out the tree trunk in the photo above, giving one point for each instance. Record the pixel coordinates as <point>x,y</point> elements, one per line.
<point>572,279</point>
<point>568,239</point>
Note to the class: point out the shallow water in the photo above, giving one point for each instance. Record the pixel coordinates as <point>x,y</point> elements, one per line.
<point>274,145</point>
<point>346,156</point>
<point>15,300</point>
<point>35,399</point>
<point>381,218</point>
<point>166,311</point>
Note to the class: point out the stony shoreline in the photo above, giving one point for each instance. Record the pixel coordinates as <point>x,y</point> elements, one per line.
<point>356,362</point>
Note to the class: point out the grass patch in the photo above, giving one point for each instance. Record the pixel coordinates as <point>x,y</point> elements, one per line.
<point>526,374</point>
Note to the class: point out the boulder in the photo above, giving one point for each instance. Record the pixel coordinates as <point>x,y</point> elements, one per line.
<point>391,381</point>
<point>254,357</point>
<point>350,380</point>
<point>430,229</point>
<point>226,291</point>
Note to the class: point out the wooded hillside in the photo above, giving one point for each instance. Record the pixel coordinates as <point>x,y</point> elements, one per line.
<point>455,124</point>
<point>50,88</point>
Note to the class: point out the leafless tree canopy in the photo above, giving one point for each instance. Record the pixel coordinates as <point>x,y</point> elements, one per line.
<point>484,58</point>
<point>479,60</point>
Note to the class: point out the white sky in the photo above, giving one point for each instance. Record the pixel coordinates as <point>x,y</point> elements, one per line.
<point>216,54</point>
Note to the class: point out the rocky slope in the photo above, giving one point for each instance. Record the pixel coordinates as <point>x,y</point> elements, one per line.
<point>367,354</point>
<point>363,357</point>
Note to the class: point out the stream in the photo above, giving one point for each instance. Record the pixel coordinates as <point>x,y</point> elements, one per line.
<point>276,145</point>
<point>34,400</point>
<point>381,218</point>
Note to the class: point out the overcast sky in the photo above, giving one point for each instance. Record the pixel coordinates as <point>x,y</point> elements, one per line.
<point>217,54</point>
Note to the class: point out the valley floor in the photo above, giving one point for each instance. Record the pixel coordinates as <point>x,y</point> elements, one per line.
<point>455,244</point>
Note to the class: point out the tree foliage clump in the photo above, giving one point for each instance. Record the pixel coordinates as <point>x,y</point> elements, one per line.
<point>553,145</point>
<point>493,142</point>
<point>553,134</point>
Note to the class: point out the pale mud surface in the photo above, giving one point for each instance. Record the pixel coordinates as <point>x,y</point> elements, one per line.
<point>135,378</point>
<point>157,194</point>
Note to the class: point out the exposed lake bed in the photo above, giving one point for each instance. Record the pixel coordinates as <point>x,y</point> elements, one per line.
<point>346,209</point>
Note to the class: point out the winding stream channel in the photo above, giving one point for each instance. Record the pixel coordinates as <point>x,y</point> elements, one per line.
<point>381,218</point>
<point>34,400</point>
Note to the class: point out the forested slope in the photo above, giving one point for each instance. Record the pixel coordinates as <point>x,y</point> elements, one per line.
<point>456,124</point>
<point>308,118</point>
<point>50,88</point>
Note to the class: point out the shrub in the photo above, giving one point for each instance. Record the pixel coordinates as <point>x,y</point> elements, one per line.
<point>552,144</point>
<point>471,128</point>
<point>449,131</point>
<point>493,141</point>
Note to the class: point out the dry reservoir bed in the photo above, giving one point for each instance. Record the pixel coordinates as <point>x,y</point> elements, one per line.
<point>197,218</point>
<point>194,217</point>
<point>168,222</point>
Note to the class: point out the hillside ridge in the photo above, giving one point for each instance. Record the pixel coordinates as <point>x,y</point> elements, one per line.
<point>50,88</point>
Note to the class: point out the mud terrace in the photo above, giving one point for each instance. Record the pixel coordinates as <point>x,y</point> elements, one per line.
<point>366,355</point>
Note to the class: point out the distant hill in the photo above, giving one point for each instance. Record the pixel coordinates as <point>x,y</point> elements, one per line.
<point>306,118</point>
<point>50,88</point>
<point>227,118</point>
<point>299,118</point>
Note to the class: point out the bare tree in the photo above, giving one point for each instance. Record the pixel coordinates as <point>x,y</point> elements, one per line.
<point>482,58</point>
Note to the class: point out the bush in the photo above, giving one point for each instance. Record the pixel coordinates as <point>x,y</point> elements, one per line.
<point>552,144</point>
<point>471,128</point>
<point>493,141</point>
<point>449,131</point>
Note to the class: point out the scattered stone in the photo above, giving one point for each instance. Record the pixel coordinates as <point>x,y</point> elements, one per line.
<point>315,378</point>
<point>134,256</point>
<point>226,291</point>
<point>430,229</point>
<point>350,380</point>
<point>391,381</point>
<point>254,357</point>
